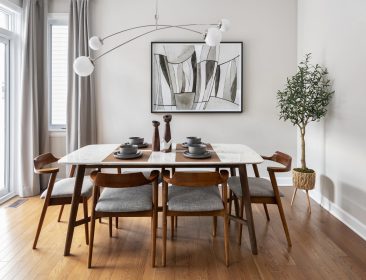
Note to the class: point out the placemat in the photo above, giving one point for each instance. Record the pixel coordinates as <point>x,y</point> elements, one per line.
<point>144,158</point>
<point>180,147</point>
<point>179,157</point>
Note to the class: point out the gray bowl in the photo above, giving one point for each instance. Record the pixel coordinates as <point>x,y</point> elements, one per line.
<point>128,149</point>
<point>193,140</point>
<point>136,140</point>
<point>197,149</point>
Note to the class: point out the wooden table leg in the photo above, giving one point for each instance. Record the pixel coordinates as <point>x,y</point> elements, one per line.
<point>248,207</point>
<point>74,208</point>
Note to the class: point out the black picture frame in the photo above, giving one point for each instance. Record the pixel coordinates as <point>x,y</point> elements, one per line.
<point>195,111</point>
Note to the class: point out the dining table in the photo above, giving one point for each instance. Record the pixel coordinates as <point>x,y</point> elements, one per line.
<point>100,156</point>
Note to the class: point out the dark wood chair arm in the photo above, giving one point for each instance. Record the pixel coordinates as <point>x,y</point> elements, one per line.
<point>166,176</point>
<point>267,157</point>
<point>224,174</point>
<point>46,170</point>
<point>154,175</point>
<point>278,169</point>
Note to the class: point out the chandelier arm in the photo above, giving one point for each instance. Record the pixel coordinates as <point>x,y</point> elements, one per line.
<point>159,25</point>
<point>141,35</point>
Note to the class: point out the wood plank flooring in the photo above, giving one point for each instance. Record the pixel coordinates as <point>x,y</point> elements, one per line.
<point>323,248</point>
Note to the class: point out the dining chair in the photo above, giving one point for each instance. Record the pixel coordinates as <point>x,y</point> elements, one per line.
<point>195,194</point>
<point>60,192</point>
<point>262,190</point>
<point>125,195</point>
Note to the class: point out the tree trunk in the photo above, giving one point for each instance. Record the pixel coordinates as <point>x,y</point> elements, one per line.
<point>303,161</point>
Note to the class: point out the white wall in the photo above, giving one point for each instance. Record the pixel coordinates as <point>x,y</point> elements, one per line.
<point>334,31</point>
<point>268,30</point>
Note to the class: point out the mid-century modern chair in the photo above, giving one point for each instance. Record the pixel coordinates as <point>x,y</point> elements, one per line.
<point>262,191</point>
<point>195,194</point>
<point>60,192</point>
<point>125,195</point>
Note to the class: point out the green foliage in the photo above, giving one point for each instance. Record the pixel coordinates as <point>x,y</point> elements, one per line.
<point>306,95</point>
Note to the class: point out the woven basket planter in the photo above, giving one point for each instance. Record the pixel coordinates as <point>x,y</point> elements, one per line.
<point>302,180</point>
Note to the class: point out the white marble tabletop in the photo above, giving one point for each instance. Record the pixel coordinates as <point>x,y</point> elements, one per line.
<point>229,154</point>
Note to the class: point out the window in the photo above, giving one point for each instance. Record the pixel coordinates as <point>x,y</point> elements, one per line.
<point>58,46</point>
<point>6,19</point>
<point>9,80</point>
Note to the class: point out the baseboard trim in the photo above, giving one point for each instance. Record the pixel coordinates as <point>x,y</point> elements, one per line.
<point>351,222</point>
<point>7,197</point>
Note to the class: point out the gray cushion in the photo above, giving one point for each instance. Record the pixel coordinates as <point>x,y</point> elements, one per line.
<point>191,199</point>
<point>258,187</point>
<point>133,199</point>
<point>65,188</point>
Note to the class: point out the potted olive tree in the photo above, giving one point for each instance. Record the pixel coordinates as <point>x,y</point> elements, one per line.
<point>304,100</point>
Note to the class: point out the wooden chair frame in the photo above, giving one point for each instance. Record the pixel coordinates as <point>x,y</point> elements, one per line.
<point>195,179</point>
<point>278,157</point>
<point>39,168</point>
<point>129,180</point>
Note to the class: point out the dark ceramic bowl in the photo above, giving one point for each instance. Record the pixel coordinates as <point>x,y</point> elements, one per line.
<point>193,140</point>
<point>136,140</point>
<point>197,149</point>
<point>128,149</point>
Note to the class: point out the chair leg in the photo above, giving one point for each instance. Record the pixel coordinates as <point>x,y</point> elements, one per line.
<point>116,222</point>
<point>230,203</point>
<point>241,216</point>
<point>308,198</point>
<point>226,239</point>
<point>85,206</point>
<point>172,218</point>
<point>100,220</point>
<point>214,225</point>
<point>91,241</point>
<point>176,221</point>
<point>153,238</point>
<point>293,196</point>
<point>40,223</point>
<point>110,226</point>
<point>284,223</point>
<point>164,238</point>
<point>266,210</point>
<point>60,214</point>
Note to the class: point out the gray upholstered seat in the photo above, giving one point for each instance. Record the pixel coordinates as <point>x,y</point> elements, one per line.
<point>133,199</point>
<point>65,188</point>
<point>258,187</point>
<point>191,199</point>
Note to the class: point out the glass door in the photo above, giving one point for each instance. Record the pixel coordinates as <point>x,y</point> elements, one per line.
<point>4,113</point>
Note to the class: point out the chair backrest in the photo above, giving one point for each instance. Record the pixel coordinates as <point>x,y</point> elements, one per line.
<point>43,160</point>
<point>283,159</point>
<point>196,179</point>
<point>122,180</point>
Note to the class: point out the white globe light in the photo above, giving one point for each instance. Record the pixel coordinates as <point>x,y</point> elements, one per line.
<point>225,25</point>
<point>83,66</point>
<point>213,37</point>
<point>95,43</point>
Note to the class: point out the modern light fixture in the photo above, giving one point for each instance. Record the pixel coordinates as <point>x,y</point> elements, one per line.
<point>84,66</point>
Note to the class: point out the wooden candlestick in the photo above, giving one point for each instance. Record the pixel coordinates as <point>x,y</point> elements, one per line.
<point>167,134</point>
<point>156,137</point>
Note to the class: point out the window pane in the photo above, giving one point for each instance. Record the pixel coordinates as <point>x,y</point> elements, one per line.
<point>3,95</point>
<point>58,74</point>
<point>4,20</point>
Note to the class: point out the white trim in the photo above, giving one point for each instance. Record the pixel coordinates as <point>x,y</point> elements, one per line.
<point>7,197</point>
<point>11,6</point>
<point>350,221</point>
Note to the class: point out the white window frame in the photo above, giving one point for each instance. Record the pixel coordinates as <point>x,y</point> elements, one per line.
<point>13,79</point>
<point>53,19</point>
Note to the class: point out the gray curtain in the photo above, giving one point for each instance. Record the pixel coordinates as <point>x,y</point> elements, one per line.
<point>33,130</point>
<point>81,115</point>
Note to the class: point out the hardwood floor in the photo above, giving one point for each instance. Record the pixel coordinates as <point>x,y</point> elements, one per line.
<point>323,248</point>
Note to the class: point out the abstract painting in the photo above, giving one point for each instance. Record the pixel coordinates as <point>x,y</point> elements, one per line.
<point>193,77</point>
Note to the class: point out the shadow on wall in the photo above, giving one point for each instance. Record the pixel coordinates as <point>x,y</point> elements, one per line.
<point>353,201</point>
<point>327,189</point>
